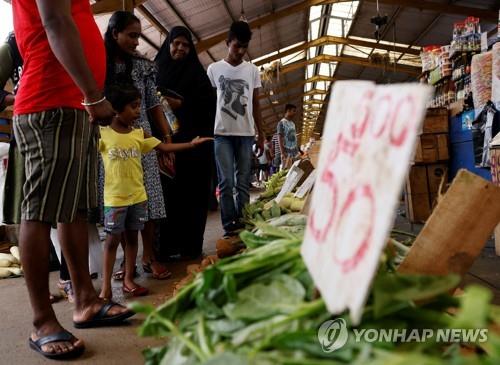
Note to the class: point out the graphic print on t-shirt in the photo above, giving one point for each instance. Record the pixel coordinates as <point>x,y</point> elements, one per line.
<point>235,101</point>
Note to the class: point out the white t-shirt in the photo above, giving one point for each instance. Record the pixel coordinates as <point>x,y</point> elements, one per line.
<point>235,86</point>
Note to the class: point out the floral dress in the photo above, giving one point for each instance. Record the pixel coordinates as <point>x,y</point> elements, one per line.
<point>144,78</point>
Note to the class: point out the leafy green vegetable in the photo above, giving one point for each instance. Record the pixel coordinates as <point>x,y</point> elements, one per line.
<point>283,295</point>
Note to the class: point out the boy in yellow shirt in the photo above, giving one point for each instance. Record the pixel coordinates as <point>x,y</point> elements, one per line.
<point>125,200</point>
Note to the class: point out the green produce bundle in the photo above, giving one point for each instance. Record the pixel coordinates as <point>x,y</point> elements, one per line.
<point>261,307</point>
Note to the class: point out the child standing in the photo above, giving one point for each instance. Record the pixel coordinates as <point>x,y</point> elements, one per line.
<point>125,200</point>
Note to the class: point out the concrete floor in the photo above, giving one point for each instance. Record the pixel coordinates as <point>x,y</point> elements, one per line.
<point>121,345</point>
<point>106,346</point>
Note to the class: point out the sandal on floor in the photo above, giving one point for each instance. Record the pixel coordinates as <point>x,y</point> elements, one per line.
<point>158,275</point>
<point>120,274</point>
<point>138,291</point>
<point>66,290</point>
<point>101,319</point>
<point>63,336</point>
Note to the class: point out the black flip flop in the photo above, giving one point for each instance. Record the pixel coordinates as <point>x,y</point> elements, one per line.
<point>100,319</point>
<point>63,336</point>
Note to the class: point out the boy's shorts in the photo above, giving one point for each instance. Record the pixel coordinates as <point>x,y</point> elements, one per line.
<point>131,217</point>
<point>59,148</point>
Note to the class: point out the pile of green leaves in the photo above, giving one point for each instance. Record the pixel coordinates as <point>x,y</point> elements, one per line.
<point>261,307</point>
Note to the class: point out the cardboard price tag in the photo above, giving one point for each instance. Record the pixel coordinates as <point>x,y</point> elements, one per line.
<point>369,137</point>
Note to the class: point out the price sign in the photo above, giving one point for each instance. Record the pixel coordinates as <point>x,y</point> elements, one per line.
<point>369,137</point>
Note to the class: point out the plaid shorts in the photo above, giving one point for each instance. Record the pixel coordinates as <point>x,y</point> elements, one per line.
<point>131,217</point>
<point>59,147</point>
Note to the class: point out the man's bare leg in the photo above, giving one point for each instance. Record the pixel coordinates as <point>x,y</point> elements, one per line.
<point>34,244</point>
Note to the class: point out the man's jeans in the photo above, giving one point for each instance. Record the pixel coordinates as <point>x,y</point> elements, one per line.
<point>233,155</point>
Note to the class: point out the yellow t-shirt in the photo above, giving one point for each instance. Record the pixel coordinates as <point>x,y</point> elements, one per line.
<point>123,175</point>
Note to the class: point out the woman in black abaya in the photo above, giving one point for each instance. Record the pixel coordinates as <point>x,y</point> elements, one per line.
<point>184,82</point>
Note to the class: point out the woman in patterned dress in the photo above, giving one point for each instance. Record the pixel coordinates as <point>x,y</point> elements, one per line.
<point>124,65</point>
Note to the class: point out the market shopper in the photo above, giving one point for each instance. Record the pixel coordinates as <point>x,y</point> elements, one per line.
<point>64,64</point>
<point>125,200</point>
<point>287,136</point>
<point>183,81</point>
<point>124,65</point>
<point>236,123</point>
<point>276,153</point>
<point>11,65</point>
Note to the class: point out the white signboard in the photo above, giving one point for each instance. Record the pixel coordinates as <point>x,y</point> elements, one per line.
<point>292,179</point>
<point>306,185</point>
<point>369,138</point>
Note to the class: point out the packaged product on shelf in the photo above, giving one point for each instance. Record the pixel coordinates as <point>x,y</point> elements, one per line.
<point>481,80</point>
<point>495,90</point>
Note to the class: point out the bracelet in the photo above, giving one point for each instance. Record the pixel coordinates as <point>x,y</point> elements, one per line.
<point>93,102</point>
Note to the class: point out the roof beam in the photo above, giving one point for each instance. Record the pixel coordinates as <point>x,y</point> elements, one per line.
<point>415,71</point>
<point>484,14</point>
<point>315,92</point>
<point>327,40</point>
<point>150,42</point>
<point>209,42</point>
<point>298,83</point>
<point>152,19</point>
<point>109,6</point>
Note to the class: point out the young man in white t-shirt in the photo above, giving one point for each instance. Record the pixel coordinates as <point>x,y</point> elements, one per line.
<point>236,122</point>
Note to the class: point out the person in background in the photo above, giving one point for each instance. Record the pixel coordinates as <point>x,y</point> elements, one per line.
<point>125,200</point>
<point>236,122</point>
<point>62,50</point>
<point>184,83</point>
<point>11,65</point>
<point>276,153</point>
<point>288,137</point>
<point>263,163</point>
<point>124,65</point>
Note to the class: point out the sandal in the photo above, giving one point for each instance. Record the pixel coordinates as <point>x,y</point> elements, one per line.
<point>158,275</point>
<point>63,336</point>
<point>101,319</point>
<point>120,274</point>
<point>138,291</point>
<point>66,290</point>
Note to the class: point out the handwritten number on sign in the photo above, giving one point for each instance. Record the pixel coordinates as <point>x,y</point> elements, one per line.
<point>391,122</point>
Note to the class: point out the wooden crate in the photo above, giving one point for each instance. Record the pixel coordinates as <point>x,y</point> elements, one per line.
<point>436,121</point>
<point>431,148</point>
<point>416,182</point>
<point>421,190</point>
<point>418,208</point>
<point>435,175</point>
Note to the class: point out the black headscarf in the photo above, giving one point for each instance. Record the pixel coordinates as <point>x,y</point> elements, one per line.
<point>188,78</point>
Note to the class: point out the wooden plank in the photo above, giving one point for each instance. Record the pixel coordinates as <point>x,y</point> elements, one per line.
<point>458,228</point>
<point>327,40</point>
<point>411,70</point>
<point>209,42</point>
<point>436,121</point>
<point>109,6</point>
<point>442,145</point>
<point>445,8</point>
